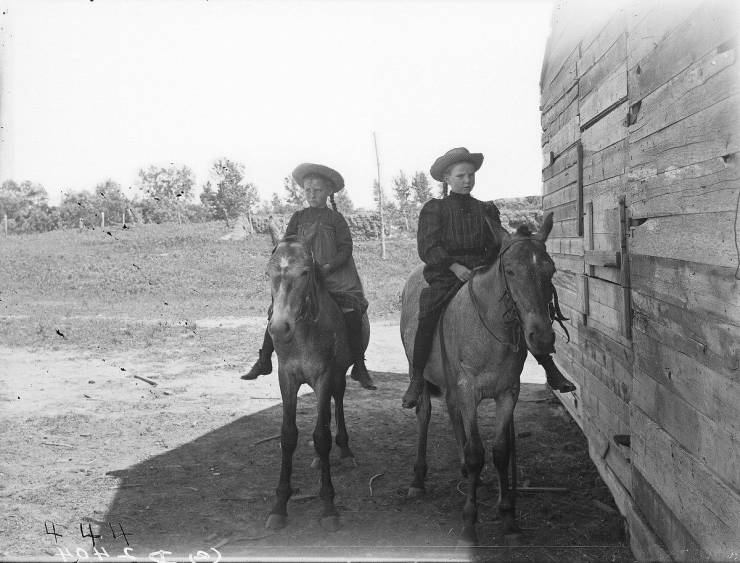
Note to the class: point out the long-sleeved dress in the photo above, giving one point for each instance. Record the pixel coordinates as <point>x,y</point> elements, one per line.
<point>454,229</point>
<point>326,232</point>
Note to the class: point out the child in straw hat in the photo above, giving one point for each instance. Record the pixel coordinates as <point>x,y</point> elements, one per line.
<point>327,234</point>
<point>456,234</point>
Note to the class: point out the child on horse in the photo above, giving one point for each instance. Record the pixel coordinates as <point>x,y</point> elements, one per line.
<point>327,235</point>
<point>456,234</point>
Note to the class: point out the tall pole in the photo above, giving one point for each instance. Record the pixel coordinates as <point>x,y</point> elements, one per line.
<point>380,202</point>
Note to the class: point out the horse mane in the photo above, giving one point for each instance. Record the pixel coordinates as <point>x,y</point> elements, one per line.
<point>309,310</point>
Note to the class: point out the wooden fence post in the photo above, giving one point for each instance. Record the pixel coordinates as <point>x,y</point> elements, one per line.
<point>5,223</point>
<point>102,219</point>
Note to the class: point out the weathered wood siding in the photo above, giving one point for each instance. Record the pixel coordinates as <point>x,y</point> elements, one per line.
<point>641,134</point>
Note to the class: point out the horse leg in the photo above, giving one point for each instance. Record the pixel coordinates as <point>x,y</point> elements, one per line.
<point>346,455</point>
<point>423,414</point>
<point>474,461</point>
<point>501,452</point>
<point>288,442</point>
<point>322,445</point>
<point>457,428</point>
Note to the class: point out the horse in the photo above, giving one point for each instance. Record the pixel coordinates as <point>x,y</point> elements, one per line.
<point>308,330</point>
<point>479,350</point>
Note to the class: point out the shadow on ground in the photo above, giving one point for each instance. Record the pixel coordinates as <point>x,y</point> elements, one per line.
<point>216,491</point>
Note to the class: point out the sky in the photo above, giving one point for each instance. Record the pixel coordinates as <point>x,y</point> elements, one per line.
<point>98,89</point>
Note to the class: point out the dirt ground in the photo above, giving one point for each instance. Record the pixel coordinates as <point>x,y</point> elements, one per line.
<point>191,463</point>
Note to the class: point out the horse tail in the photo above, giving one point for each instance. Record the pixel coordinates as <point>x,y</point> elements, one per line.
<point>434,390</point>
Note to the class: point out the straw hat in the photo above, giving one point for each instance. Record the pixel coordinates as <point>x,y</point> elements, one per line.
<point>453,156</point>
<point>303,170</point>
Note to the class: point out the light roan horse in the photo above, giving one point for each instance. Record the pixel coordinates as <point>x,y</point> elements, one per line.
<point>308,330</point>
<point>479,350</point>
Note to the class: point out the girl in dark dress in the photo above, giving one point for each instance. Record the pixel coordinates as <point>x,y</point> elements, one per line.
<point>327,234</point>
<point>456,234</point>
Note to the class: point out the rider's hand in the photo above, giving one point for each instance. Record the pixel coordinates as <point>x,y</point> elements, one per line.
<point>462,273</point>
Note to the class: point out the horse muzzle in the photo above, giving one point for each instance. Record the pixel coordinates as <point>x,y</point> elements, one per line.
<point>281,329</point>
<point>539,336</point>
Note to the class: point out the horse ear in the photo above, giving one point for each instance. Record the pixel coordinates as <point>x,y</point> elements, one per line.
<point>544,231</point>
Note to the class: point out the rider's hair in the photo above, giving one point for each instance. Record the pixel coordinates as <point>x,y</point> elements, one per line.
<point>333,203</point>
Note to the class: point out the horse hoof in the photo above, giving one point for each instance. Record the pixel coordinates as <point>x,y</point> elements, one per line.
<point>513,539</point>
<point>415,492</point>
<point>330,523</point>
<point>316,463</point>
<point>275,522</point>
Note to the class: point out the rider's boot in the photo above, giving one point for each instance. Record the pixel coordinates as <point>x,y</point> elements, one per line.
<point>263,365</point>
<point>353,321</point>
<point>555,379</point>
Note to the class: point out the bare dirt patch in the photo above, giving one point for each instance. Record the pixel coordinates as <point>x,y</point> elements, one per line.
<point>180,466</point>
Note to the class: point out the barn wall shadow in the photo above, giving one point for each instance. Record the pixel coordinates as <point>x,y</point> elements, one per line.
<point>216,490</point>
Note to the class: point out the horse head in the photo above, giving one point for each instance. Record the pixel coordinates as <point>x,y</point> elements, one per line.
<point>294,282</point>
<point>527,270</point>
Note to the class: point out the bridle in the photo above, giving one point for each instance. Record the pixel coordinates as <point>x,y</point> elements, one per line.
<point>511,316</point>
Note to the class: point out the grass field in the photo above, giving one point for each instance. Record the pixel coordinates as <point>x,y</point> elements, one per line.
<point>127,288</point>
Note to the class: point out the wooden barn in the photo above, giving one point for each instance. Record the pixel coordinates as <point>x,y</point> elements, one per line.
<point>641,133</point>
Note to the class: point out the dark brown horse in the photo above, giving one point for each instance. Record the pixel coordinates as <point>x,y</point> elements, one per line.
<point>308,330</point>
<point>479,351</point>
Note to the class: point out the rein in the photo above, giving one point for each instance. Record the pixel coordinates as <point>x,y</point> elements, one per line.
<point>511,314</point>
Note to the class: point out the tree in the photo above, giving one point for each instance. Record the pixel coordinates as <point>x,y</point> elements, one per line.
<point>344,203</point>
<point>233,196</point>
<point>208,201</point>
<point>420,186</point>
<point>110,199</point>
<point>294,199</point>
<point>165,191</point>
<point>76,206</point>
<point>26,206</point>
<point>402,190</point>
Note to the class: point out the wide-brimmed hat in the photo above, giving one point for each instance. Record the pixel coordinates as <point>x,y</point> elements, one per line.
<point>453,156</point>
<point>303,170</point>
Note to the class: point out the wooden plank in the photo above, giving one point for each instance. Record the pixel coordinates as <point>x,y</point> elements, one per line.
<point>564,279</point>
<point>606,258</point>
<point>565,211</point>
<point>608,130</point>
<point>564,161</point>
<point>712,238</point>
<point>579,187</point>
<point>710,290</point>
<point>567,263</point>
<point>571,246</point>
<point>549,116</point>
<point>604,96</point>
<point>598,42</point>
<point>612,375</point>
<point>708,81</point>
<point>614,57</point>
<point>563,81</point>
<point>712,394</point>
<point>714,445</point>
<point>675,538</point>
<point>703,187</point>
<point>709,510</point>
<point>567,228</point>
<point>605,191</point>
<point>565,136</point>
<point>710,133</point>
<point>566,179</point>
<point>651,23</point>
<point>709,26</point>
<point>644,543</point>
<point>713,342</point>
<point>547,156</point>
<point>618,349</point>
<point>603,314</point>
<point>606,163</point>
<point>605,292</point>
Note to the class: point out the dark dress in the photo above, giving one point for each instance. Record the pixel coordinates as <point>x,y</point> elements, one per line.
<point>454,229</point>
<point>326,233</point>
